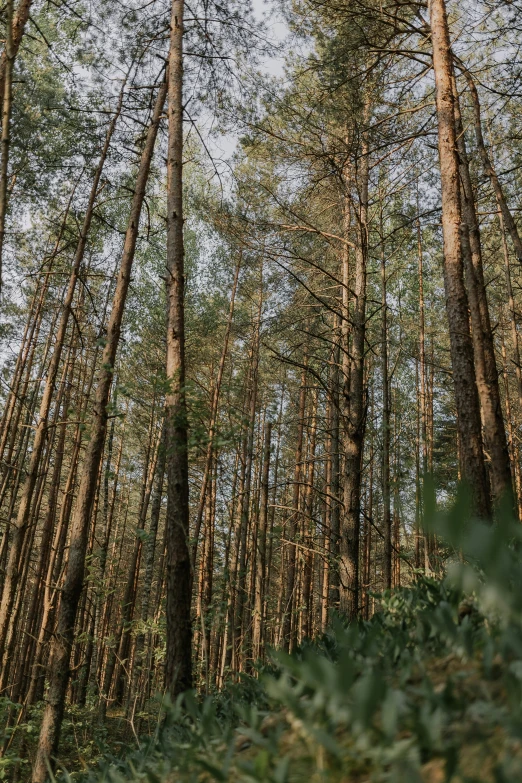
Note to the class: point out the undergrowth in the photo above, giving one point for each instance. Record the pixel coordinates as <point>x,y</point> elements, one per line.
<point>430,689</point>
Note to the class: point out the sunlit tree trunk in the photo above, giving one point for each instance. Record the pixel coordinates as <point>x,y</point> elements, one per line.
<point>40,436</point>
<point>354,424</point>
<point>489,168</point>
<point>467,401</point>
<point>288,610</point>
<point>260,581</point>
<point>214,410</point>
<point>73,582</point>
<point>6,125</point>
<point>19,22</point>
<point>150,552</point>
<point>178,663</point>
<point>309,524</point>
<point>482,335</point>
<point>386,517</point>
<point>515,345</point>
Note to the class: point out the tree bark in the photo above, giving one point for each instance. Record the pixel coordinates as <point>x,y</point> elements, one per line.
<point>387,524</point>
<point>354,423</point>
<point>482,335</point>
<point>73,584</point>
<point>467,401</point>
<point>240,623</point>
<point>178,663</point>
<point>150,551</point>
<point>309,526</point>
<point>260,582</point>
<point>335,478</point>
<point>40,436</point>
<point>288,624</point>
<point>19,22</point>
<point>489,168</point>
<point>214,412</point>
<point>8,57</point>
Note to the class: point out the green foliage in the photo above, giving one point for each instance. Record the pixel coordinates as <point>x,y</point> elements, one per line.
<point>429,689</point>
<point>9,715</point>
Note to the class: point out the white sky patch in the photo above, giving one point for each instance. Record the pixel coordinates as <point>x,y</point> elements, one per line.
<point>222,147</point>
<point>277,31</point>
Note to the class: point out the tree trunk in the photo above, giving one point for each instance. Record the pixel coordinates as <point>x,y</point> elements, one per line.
<point>260,582</point>
<point>467,401</point>
<point>214,411</point>
<point>40,436</point>
<point>178,663</point>
<point>309,526</point>
<point>423,407</point>
<point>288,624</point>
<point>6,124</point>
<point>489,169</point>
<point>150,551</point>
<point>386,520</point>
<point>240,635</point>
<point>73,584</point>
<point>354,424</point>
<point>335,479</point>
<point>20,20</point>
<point>513,445</point>
<point>131,588</point>
<point>482,335</point>
<point>516,348</point>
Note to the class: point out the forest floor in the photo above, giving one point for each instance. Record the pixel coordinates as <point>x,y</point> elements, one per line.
<point>428,690</point>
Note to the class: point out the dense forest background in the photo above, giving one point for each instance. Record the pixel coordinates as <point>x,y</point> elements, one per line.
<point>260,297</point>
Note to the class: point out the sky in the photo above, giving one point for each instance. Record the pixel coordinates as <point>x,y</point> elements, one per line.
<point>223,147</point>
<point>277,29</point>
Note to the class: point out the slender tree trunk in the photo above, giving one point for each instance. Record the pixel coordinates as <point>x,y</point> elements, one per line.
<point>104,608</point>
<point>205,581</point>
<point>40,436</point>
<point>271,535</point>
<point>483,346</point>
<point>335,491</point>
<point>6,125</point>
<point>516,347</point>
<point>327,515</point>
<point>131,589</point>
<point>513,445</point>
<point>309,525</point>
<point>354,425</point>
<point>489,168</point>
<point>150,551</point>
<point>396,562</point>
<point>260,582</point>
<point>178,663</point>
<point>288,624</point>
<point>422,389</point>
<point>240,634</point>
<point>19,22</point>
<point>418,478</point>
<point>214,411</point>
<point>73,584</point>
<point>367,554</point>
<point>467,401</point>
<point>386,520</point>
